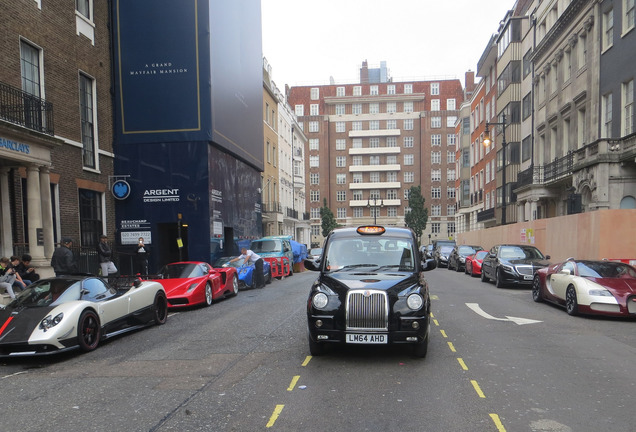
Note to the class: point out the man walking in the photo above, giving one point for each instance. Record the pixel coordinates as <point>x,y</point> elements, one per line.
<point>105,260</point>
<point>247,254</point>
<point>63,260</point>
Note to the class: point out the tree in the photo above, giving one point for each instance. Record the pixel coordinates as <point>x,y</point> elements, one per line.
<point>417,218</point>
<point>328,219</point>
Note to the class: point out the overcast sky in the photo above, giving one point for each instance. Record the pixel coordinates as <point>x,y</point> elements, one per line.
<point>307,41</point>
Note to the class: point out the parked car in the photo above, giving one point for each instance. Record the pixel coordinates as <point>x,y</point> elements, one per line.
<point>245,271</point>
<point>457,257</point>
<point>191,283</point>
<point>441,254</point>
<point>588,287</point>
<point>510,264</point>
<point>369,290</point>
<point>314,254</point>
<point>77,312</point>
<point>473,263</point>
<point>275,247</point>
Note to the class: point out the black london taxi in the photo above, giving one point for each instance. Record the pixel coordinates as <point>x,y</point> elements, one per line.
<point>370,290</point>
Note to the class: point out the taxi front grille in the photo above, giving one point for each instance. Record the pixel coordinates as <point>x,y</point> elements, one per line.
<point>367,310</point>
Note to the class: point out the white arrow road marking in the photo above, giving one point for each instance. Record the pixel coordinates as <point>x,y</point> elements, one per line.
<point>519,321</point>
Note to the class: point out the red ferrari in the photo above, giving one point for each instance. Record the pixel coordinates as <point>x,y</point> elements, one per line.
<point>473,263</point>
<point>191,283</point>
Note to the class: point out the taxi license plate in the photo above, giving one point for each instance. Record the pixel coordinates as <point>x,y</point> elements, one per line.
<point>527,277</point>
<point>366,338</point>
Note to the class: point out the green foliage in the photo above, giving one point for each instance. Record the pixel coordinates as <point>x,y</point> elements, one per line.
<point>328,219</point>
<point>418,217</point>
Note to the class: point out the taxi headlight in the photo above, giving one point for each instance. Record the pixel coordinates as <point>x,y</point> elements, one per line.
<point>320,300</point>
<point>414,301</point>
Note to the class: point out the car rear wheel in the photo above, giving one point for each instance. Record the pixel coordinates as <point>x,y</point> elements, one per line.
<point>235,285</point>
<point>208,294</point>
<point>88,331</point>
<point>571,303</point>
<point>498,280</point>
<point>536,289</point>
<point>315,348</point>
<point>160,308</point>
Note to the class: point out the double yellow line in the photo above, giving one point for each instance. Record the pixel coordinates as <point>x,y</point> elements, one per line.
<point>292,385</point>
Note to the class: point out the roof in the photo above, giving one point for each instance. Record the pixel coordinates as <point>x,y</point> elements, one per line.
<point>390,232</point>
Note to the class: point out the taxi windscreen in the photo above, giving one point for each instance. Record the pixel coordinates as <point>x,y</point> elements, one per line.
<point>385,254</point>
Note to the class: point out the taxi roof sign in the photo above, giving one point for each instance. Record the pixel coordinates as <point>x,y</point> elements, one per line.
<point>371,230</point>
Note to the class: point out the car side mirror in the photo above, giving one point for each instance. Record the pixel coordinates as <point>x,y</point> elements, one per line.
<point>547,257</point>
<point>428,264</point>
<point>566,272</point>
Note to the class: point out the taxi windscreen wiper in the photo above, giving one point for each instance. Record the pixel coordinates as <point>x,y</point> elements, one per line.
<point>351,266</point>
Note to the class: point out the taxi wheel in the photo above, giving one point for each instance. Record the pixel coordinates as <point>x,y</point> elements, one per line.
<point>420,349</point>
<point>315,348</point>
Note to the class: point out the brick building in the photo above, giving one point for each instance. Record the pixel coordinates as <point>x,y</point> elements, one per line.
<point>369,143</point>
<point>55,127</point>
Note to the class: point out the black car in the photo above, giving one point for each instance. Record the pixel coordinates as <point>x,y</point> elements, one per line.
<point>457,258</point>
<point>369,291</point>
<point>510,264</point>
<point>441,254</point>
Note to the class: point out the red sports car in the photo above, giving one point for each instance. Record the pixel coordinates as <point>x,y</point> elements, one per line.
<point>588,287</point>
<point>473,263</point>
<point>191,283</point>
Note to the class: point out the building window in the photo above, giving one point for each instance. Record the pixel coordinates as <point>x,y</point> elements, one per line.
<point>450,193</point>
<point>374,194</point>
<point>314,178</point>
<point>391,211</point>
<point>84,8</point>
<point>314,109</point>
<point>314,212</point>
<point>450,175</point>
<point>391,124</point>
<point>435,105</point>
<point>374,125</point>
<point>341,144</point>
<point>450,121</point>
<point>341,212</point>
<point>374,142</point>
<point>374,160</point>
<point>356,125</point>
<point>391,176</point>
<point>340,91</point>
<point>358,212</point>
<point>357,195</point>
<point>340,126</point>
<point>408,141</point>
<point>436,210</point>
<point>90,214</point>
<point>450,157</point>
<point>374,177</point>
<point>408,107</point>
<point>315,93</point>
<point>390,89</point>
<point>314,126</point>
<point>299,110</point>
<point>391,107</point>
<point>606,113</point>
<point>314,196</point>
<point>340,109</point>
<point>341,179</point>
<point>391,142</point>
<point>30,70</point>
<point>374,108</point>
<point>341,161</point>
<point>628,108</point>
<point>314,143</point>
<point>450,228</point>
<point>373,90</point>
<point>315,230</point>
<point>392,194</point>
<point>581,132</point>
<point>436,140</point>
<point>436,175</point>
<point>408,159</point>
<point>87,117</point>
<point>357,177</point>
<point>436,122</point>
<point>628,15</point>
<point>409,177</point>
<point>314,161</point>
<point>436,157</point>
<point>451,140</point>
<point>408,124</point>
<point>451,104</point>
<point>407,194</point>
<point>434,89</point>
<point>341,196</point>
<point>582,50</point>
<point>608,30</point>
<point>436,192</point>
<point>356,108</point>
<point>357,91</point>
<point>408,88</point>
<point>356,160</point>
<point>357,143</point>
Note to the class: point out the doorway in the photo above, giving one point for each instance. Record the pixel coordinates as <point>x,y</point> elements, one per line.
<point>166,249</point>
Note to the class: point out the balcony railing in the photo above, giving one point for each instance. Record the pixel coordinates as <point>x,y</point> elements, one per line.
<point>24,109</point>
<point>555,170</point>
<point>272,207</point>
<point>485,215</point>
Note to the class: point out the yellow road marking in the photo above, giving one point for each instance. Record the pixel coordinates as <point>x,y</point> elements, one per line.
<point>452,347</point>
<point>434,297</point>
<point>443,333</point>
<point>477,389</point>
<point>432,316</point>
<point>435,322</point>
<point>306,360</point>
<point>500,426</point>
<point>275,414</point>
<point>293,383</point>
<point>462,364</point>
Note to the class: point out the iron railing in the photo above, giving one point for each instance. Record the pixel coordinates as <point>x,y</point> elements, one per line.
<point>24,109</point>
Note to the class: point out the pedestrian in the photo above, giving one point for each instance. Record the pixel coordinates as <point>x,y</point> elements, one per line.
<point>7,276</point>
<point>256,259</point>
<point>142,257</point>
<point>25,270</point>
<point>63,260</point>
<point>105,257</point>
<point>19,283</point>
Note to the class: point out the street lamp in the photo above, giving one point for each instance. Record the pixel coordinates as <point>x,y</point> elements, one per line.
<point>375,206</point>
<point>487,141</point>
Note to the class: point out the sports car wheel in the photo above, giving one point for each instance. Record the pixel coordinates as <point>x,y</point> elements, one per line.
<point>498,282</point>
<point>536,289</point>
<point>235,285</point>
<point>160,308</point>
<point>208,294</point>
<point>88,331</point>
<point>571,304</point>
<point>269,277</point>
